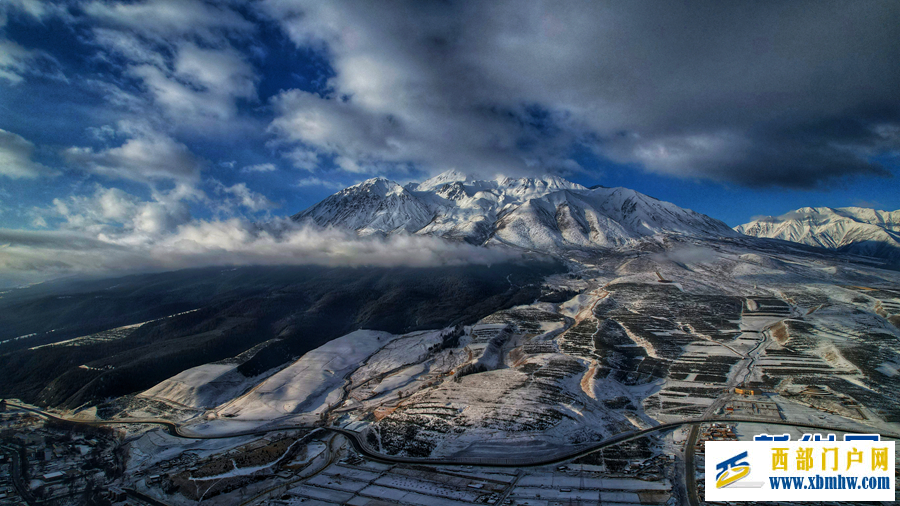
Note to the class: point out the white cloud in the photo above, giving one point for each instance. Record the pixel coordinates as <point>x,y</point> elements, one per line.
<point>17,62</point>
<point>15,158</point>
<point>181,101</point>
<point>115,216</point>
<point>31,256</point>
<point>34,8</point>
<point>671,154</point>
<point>336,126</point>
<point>315,181</point>
<point>223,71</point>
<point>147,157</point>
<point>399,100</point>
<point>166,19</point>
<point>102,133</point>
<point>156,218</point>
<point>120,100</point>
<point>260,167</point>
<point>305,159</point>
<point>240,195</point>
<point>369,140</point>
<point>181,51</point>
<point>98,212</point>
<point>126,45</point>
<point>113,213</point>
<point>13,61</point>
<point>205,84</point>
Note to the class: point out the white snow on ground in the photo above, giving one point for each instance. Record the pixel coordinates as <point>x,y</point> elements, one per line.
<point>408,349</point>
<point>542,397</point>
<point>548,327</point>
<point>556,480</point>
<point>100,337</point>
<point>575,305</point>
<point>415,484</point>
<point>342,483</point>
<point>888,369</point>
<point>222,427</point>
<point>313,450</point>
<point>158,446</point>
<point>310,384</point>
<point>405,497</point>
<point>205,386</point>
<point>331,496</point>
<point>243,471</point>
<point>535,401</point>
<point>399,379</point>
<point>351,473</point>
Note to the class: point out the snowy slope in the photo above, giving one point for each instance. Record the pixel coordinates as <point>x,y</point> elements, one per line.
<point>375,205</point>
<point>203,386</point>
<point>546,213</point>
<point>624,352</point>
<point>310,384</point>
<point>853,229</point>
<point>603,217</point>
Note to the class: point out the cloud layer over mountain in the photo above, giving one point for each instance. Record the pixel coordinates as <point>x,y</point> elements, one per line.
<point>30,256</point>
<point>760,95</point>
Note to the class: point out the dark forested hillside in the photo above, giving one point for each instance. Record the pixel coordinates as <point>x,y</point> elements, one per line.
<point>290,309</point>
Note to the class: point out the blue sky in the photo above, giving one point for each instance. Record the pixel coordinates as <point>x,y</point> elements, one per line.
<point>127,121</point>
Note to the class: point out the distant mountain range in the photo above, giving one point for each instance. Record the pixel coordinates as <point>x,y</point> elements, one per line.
<point>550,214</point>
<point>855,230</point>
<point>546,213</point>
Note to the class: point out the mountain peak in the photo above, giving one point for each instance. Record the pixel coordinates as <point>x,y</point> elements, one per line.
<point>548,181</point>
<point>546,213</point>
<point>376,183</point>
<point>857,230</point>
<point>450,176</point>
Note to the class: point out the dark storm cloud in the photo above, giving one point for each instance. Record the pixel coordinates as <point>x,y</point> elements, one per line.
<point>761,94</point>
<point>156,132</point>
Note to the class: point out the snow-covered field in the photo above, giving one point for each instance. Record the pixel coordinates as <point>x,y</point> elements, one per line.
<point>623,352</point>
<point>311,384</point>
<point>204,386</point>
<point>626,352</point>
<point>661,325</point>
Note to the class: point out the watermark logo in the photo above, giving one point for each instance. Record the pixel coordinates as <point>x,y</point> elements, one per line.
<point>731,470</point>
<point>813,468</point>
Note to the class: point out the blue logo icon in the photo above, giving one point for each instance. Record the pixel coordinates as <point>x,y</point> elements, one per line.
<point>732,470</point>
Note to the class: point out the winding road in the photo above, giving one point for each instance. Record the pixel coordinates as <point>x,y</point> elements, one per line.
<point>16,462</point>
<point>358,440</point>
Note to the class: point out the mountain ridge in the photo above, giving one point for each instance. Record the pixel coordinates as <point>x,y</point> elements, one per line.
<point>546,213</point>
<point>855,230</point>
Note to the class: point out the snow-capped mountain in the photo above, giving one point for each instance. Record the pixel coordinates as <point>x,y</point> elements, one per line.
<point>855,230</point>
<point>375,205</point>
<point>544,213</point>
